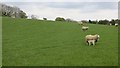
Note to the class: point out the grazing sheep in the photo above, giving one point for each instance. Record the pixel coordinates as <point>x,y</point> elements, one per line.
<point>116,24</point>
<point>92,39</point>
<point>110,24</point>
<point>84,28</point>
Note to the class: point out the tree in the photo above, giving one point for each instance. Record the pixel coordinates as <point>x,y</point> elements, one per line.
<point>16,12</point>
<point>117,21</point>
<point>44,18</point>
<point>11,11</point>
<point>34,17</point>
<point>70,20</point>
<point>59,19</point>
<point>112,22</point>
<point>104,22</point>
<point>84,21</point>
<point>22,14</point>
<point>93,22</point>
<point>90,21</point>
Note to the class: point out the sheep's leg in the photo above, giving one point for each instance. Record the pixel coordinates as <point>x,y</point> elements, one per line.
<point>89,43</point>
<point>93,43</point>
<point>96,40</point>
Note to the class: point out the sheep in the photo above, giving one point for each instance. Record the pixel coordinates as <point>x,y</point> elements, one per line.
<point>92,39</point>
<point>84,28</point>
<point>116,24</point>
<point>110,24</point>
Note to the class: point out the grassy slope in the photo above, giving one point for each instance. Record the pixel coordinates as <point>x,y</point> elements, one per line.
<point>47,43</point>
<point>0,41</point>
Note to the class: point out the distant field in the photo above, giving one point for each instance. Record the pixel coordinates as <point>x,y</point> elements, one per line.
<point>48,43</point>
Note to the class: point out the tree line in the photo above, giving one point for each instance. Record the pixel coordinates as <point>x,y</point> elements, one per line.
<point>10,11</point>
<point>104,22</point>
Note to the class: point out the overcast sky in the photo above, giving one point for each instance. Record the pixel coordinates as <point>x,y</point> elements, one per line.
<point>59,0</point>
<point>76,10</point>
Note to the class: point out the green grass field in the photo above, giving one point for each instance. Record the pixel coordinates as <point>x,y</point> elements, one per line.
<point>49,43</point>
<point>0,41</point>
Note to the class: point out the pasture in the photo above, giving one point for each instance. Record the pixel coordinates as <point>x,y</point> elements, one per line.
<point>49,43</point>
<point>0,41</point>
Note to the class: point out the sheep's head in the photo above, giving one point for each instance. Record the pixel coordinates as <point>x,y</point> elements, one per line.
<point>98,36</point>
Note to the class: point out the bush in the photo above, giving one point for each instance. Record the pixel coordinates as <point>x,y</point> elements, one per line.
<point>59,19</point>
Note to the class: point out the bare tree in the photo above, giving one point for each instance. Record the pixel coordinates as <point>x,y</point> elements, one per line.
<point>11,11</point>
<point>34,17</point>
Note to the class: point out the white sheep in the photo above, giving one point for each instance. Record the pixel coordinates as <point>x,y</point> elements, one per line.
<point>116,24</point>
<point>110,24</point>
<point>91,42</point>
<point>91,39</point>
<point>84,28</point>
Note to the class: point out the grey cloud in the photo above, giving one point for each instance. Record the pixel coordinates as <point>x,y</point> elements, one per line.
<point>70,5</point>
<point>80,5</point>
<point>83,6</point>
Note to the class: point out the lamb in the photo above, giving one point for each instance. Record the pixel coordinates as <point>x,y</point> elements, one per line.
<point>92,39</point>
<point>91,42</point>
<point>84,28</point>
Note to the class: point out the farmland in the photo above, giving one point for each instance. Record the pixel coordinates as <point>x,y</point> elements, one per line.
<point>50,43</point>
